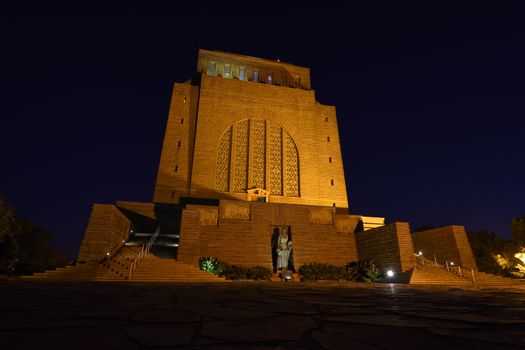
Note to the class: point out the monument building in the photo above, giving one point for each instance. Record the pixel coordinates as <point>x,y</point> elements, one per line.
<point>250,163</point>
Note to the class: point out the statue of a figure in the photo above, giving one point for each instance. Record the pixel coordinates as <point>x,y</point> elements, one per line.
<point>284,247</point>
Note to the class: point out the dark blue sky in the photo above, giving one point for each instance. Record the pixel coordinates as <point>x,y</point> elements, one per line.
<point>430,102</point>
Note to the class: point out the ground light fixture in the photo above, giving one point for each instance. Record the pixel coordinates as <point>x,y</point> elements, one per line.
<point>390,273</point>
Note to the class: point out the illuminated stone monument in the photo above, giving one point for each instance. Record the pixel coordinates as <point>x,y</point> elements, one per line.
<point>248,151</point>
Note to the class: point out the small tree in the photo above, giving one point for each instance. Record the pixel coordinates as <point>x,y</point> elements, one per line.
<point>9,230</point>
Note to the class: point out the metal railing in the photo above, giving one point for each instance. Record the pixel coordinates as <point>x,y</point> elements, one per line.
<point>113,252</point>
<point>449,266</point>
<point>143,252</point>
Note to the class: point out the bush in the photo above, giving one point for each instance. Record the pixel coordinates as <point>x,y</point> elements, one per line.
<point>319,271</point>
<point>360,271</point>
<point>211,265</point>
<point>256,273</point>
<point>234,272</point>
<point>363,271</point>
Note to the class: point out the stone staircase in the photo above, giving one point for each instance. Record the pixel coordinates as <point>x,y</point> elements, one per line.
<point>429,272</point>
<point>154,269</point>
<point>116,269</point>
<point>436,275</point>
<point>486,280</point>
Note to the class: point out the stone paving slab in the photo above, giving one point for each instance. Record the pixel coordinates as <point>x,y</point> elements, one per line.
<point>253,315</point>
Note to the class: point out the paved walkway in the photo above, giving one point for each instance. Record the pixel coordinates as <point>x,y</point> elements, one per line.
<point>258,316</point>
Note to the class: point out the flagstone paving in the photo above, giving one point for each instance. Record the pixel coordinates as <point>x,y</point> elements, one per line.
<point>253,315</point>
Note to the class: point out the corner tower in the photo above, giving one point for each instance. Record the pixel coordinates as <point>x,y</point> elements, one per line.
<point>247,124</point>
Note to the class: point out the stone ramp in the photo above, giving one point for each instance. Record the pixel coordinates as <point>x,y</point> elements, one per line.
<point>154,269</point>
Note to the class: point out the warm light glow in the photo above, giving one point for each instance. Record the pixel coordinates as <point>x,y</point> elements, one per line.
<point>451,263</point>
<point>420,253</point>
<point>521,267</point>
<point>107,253</point>
<point>390,273</point>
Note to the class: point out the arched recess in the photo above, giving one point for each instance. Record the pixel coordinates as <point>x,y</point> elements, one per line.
<point>256,153</point>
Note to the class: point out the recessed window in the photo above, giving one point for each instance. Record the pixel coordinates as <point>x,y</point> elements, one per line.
<point>182,120</point>
<point>178,144</point>
<point>328,139</point>
<point>256,75</point>
<point>270,79</point>
<point>329,159</point>
<point>177,168</point>
<point>241,73</point>
<point>227,71</point>
<point>212,68</point>
<point>332,181</point>
<point>326,120</point>
<point>172,194</point>
<point>184,99</point>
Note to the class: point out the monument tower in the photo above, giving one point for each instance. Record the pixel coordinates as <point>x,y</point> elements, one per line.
<point>248,123</point>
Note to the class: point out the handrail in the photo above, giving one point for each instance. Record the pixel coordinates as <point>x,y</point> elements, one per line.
<point>143,252</point>
<point>114,251</point>
<point>448,265</point>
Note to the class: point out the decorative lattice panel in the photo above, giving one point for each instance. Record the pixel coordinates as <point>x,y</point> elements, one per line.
<point>292,168</point>
<point>275,159</point>
<point>240,143</point>
<point>258,156</point>
<point>222,176</point>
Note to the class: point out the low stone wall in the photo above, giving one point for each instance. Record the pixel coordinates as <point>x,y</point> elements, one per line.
<point>390,246</point>
<point>107,228</point>
<point>447,243</point>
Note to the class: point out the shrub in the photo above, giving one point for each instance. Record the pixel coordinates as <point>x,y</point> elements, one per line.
<point>234,272</point>
<point>319,271</point>
<point>260,273</point>
<point>256,273</point>
<point>363,271</point>
<point>360,271</point>
<point>212,265</point>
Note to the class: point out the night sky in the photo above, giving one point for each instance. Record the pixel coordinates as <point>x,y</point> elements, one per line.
<point>430,103</point>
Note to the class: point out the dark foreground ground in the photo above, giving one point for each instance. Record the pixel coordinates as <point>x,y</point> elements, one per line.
<point>258,316</point>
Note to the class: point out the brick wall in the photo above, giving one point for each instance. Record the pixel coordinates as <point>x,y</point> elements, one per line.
<point>190,238</point>
<point>107,228</point>
<point>220,103</point>
<point>248,242</point>
<point>390,246</point>
<point>176,158</point>
<point>447,243</point>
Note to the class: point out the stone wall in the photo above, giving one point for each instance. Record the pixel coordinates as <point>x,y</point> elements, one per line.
<point>107,228</point>
<point>173,177</point>
<point>447,243</point>
<point>390,246</point>
<point>141,208</point>
<point>248,242</point>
